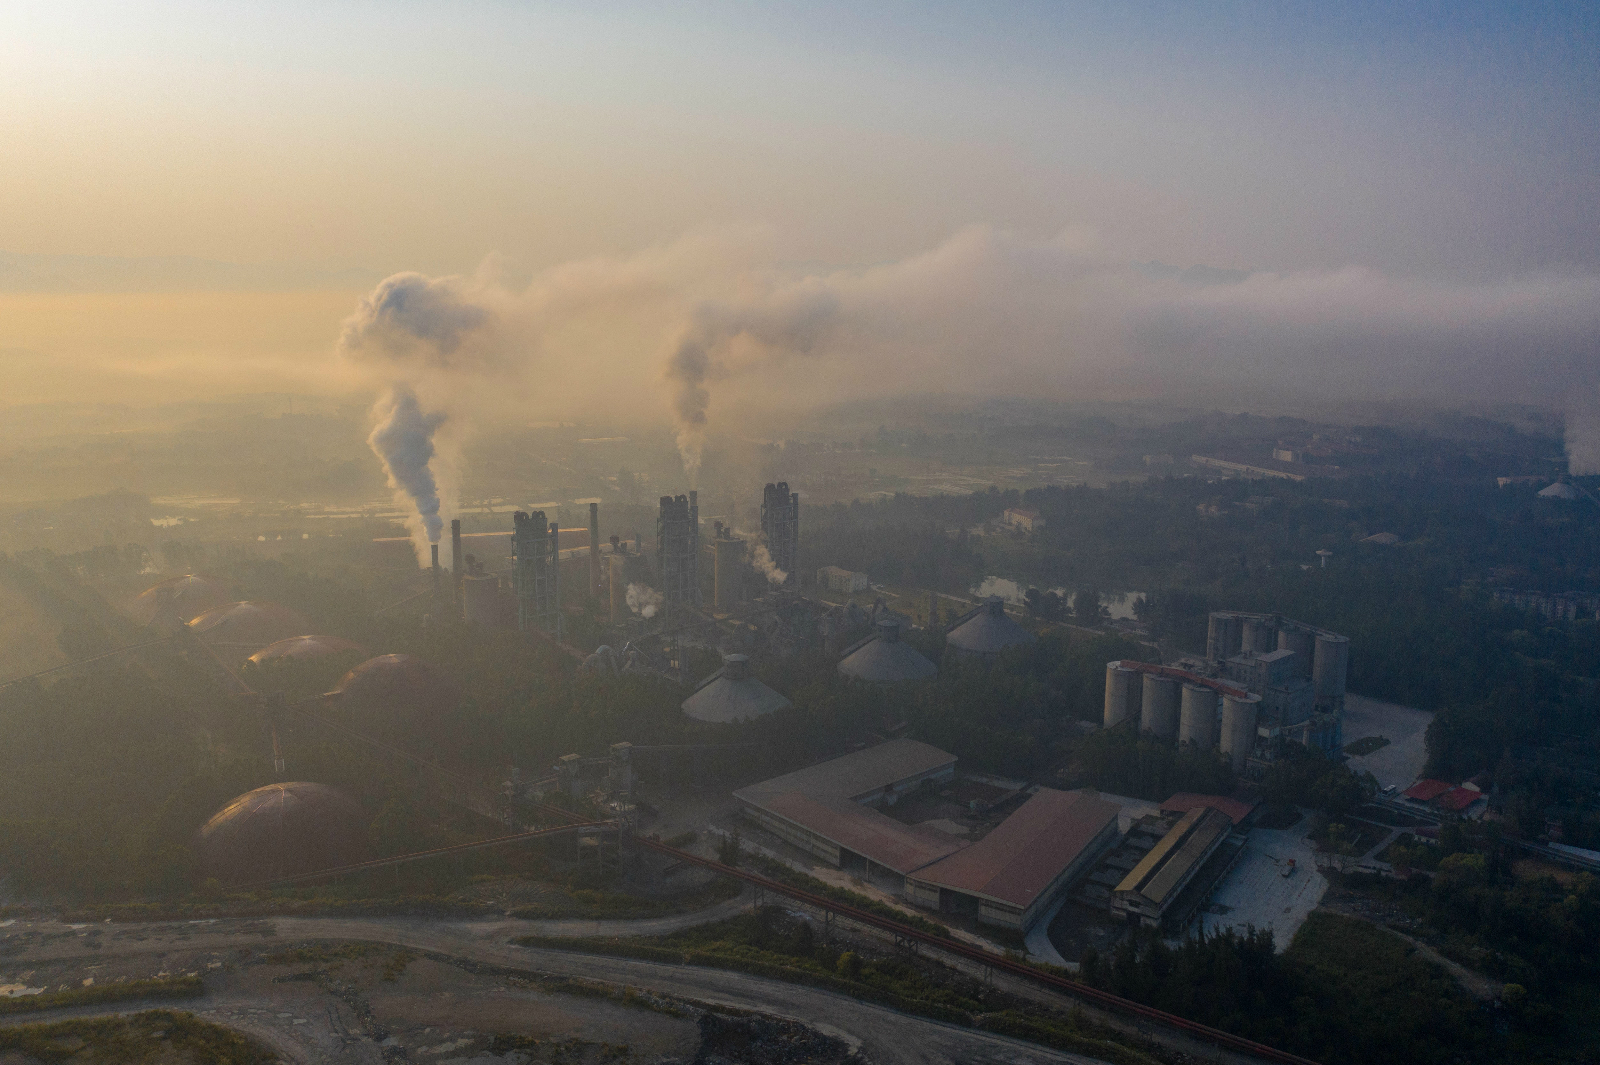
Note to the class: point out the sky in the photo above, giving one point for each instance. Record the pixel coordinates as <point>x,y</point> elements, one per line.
<point>1390,199</point>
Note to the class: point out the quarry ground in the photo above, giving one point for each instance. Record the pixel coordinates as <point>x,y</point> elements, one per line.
<point>1401,761</point>
<point>379,990</point>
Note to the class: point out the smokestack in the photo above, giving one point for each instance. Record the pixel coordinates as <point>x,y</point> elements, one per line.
<point>456,570</point>
<point>594,550</point>
<point>435,570</point>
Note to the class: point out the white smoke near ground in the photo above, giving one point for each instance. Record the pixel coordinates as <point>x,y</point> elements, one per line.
<point>644,600</point>
<point>403,439</point>
<point>987,312</point>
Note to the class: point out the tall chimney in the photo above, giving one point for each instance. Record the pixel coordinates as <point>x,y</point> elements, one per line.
<point>457,571</point>
<point>435,570</point>
<point>594,550</point>
<point>555,576</point>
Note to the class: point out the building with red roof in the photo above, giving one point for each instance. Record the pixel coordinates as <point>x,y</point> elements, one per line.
<point>1012,874</point>
<point>1185,801</point>
<point>1427,790</point>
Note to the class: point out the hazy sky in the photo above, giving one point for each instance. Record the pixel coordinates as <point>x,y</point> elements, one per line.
<point>1447,154</point>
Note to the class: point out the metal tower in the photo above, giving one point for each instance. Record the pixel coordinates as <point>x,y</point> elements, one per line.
<point>536,575</point>
<point>780,526</point>
<point>678,550</point>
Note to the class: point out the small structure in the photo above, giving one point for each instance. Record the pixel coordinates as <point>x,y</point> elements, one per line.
<point>1151,890</point>
<point>1023,519</point>
<point>987,631</point>
<point>883,659</point>
<point>843,581</point>
<point>1016,871</point>
<point>828,809</point>
<point>732,694</point>
<point>1382,539</point>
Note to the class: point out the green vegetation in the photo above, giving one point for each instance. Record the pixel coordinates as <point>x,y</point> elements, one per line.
<point>780,872</point>
<point>155,1037</point>
<point>1344,992</point>
<point>176,987</point>
<point>772,944</point>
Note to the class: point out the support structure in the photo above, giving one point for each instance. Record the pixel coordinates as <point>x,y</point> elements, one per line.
<point>594,550</point>
<point>780,526</point>
<point>536,572</point>
<point>678,551</point>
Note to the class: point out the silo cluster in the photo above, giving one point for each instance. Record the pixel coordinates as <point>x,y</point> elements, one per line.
<point>1197,718</point>
<point>1239,727</point>
<point>1160,702</point>
<point>1321,657</point>
<point>1124,690</point>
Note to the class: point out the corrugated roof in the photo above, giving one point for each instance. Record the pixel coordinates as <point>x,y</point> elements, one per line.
<point>1427,790</point>
<point>1212,825</point>
<point>880,839</point>
<point>988,631</point>
<point>1183,802</point>
<point>725,698</point>
<point>1458,799</point>
<point>1169,842</point>
<point>1026,852</point>
<point>884,659</point>
<point>855,774</point>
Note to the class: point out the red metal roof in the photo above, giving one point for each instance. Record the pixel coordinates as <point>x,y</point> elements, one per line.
<point>1458,799</point>
<point>1427,790</point>
<point>1220,686</point>
<point>1026,852</point>
<point>1185,801</point>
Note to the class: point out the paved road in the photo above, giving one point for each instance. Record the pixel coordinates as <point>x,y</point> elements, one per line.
<point>886,1036</point>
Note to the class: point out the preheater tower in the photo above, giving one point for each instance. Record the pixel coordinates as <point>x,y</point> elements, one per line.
<point>780,526</point>
<point>536,572</point>
<point>678,551</point>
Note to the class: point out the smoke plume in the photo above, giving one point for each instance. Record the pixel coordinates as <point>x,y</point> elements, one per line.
<point>403,439</point>
<point>644,600</point>
<point>761,560</point>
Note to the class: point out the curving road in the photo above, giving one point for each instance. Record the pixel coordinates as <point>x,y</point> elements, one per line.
<point>886,1037</point>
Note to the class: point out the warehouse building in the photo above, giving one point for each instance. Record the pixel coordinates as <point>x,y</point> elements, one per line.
<point>828,809</point>
<point>1010,876</point>
<point>1153,893</point>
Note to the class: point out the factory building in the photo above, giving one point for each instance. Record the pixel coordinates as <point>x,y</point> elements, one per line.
<point>678,551</point>
<point>883,659</point>
<point>986,631</point>
<point>1153,893</point>
<point>1016,872</point>
<point>1298,670</point>
<point>780,526</point>
<point>732,694</point>
<point>843,581</point>
<point>828,809</point>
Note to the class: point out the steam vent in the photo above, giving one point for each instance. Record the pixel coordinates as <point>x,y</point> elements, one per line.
<point>282,830</point>
<point>248,626</point>
<point>397,683</point>
<point>732,694</point>
<point>175,600</point>
<point>883,659</point>
<point>304,648</point>
<point>987,632</point>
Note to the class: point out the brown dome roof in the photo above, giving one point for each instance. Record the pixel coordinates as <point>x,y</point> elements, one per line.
<point>282,830</point>
<point>397,682</point>
<point>254,625</point>
<point>177,599</point>
<point>304,647</point>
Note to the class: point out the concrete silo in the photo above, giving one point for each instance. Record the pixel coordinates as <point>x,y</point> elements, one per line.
<point>1303,643</point>
<point>1328,670</point>
<point>1260,636</point>
<point>1224,636</point>
<point>1197,719</point>
<point>1161,700</point>
<point>1122,693</point>
<point>1239,727</point>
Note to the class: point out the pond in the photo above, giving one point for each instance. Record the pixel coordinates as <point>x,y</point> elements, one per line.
<point>1119,604</point>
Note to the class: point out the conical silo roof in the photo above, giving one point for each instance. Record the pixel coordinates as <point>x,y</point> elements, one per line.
<point>883,659</point>
<point>732,694</point>
<point>988,631</point>
<point>248,625</point>
<point>177,599</point>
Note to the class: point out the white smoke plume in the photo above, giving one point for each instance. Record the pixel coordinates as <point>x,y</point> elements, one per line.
<point>644,600</point>
<point>403,439</point>
<point>761,560</point>
<point>987,312</point>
